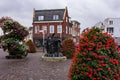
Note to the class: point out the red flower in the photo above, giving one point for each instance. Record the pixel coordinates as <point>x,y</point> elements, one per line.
<point>103,65</point>
<point>84,53</point>
<point>100,61</point>
<point>115,70</point>
<point>98,69</point>
<point>83,64</point>
<point>90,75</point>
<point>109,69</point>
<point>94,55</point>
<point>94,72</point>
<point>88,59</point>
<point>116,75</point>
<point>90,49</point>
<point>119,49</point>
<point>107,47</point>
<point>94,37</point>
<point>103,76</point>
<point>114,61</point>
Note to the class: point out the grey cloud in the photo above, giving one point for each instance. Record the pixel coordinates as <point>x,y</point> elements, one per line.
<point>87,12</point>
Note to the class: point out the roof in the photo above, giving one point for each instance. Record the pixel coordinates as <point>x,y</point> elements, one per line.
<point>48,14</point>
<point>72,21</point>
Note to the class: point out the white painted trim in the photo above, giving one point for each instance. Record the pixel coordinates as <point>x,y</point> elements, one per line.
<point>46,21</point>
<point>64,13</point>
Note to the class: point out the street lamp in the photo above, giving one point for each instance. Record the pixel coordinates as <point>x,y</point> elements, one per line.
<point>43,32</point>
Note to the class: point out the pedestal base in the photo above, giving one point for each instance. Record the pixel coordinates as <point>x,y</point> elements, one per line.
<point>13,57</point>
<point>54,59</point>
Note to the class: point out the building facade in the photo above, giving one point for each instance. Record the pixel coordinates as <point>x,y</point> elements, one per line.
<point>47,22</point>
<point>30,35</point>
<point>75,30</point>
<point>112,26</point>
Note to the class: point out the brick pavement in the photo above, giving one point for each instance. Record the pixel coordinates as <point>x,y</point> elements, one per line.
<point>32,68</point>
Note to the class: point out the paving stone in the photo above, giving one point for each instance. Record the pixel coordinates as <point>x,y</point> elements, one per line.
<point>32,68</point>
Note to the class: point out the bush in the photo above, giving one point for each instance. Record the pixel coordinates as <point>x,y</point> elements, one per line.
<point>97,57</point>
<point>31,45</point>
<point>68,47</point>
<point>14,33</point>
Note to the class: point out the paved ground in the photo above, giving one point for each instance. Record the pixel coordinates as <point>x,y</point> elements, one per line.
<point>32,68</point>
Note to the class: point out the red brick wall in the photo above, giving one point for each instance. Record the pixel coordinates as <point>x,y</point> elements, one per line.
<point>64,24</point>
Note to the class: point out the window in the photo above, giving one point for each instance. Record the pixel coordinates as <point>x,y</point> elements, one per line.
<point>110,29</point>
<point>59,29</point>
<point>44,28</point>
<point>38,42</point>
<point>51,29</point>
<point>66,30</point>
<point>36,29</point>
<point>55,17</point>
<point>40,18</point>
<point>110,22</point>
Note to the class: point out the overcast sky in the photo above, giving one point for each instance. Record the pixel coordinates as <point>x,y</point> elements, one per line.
<point>87,12</point>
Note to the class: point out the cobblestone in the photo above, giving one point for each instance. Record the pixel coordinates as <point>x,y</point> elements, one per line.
<point>32,68</point>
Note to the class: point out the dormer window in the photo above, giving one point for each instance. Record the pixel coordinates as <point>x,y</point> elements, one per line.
<point>40,18</point>
<point>55,17</point>
<point>110,22</point>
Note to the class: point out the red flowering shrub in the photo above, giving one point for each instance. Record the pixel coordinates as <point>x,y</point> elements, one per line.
<point>96,58</point>
<point>68,47</point>
<point>31,46</point>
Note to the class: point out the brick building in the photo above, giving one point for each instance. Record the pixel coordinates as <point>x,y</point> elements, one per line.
<point>47,22</point>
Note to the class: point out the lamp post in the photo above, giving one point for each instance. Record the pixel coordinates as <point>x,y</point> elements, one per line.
<point>43,32</point>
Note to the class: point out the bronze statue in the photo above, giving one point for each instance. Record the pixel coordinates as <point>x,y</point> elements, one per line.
<point>53,46</point>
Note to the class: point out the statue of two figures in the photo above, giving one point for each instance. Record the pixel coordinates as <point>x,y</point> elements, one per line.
<point>53,46</point>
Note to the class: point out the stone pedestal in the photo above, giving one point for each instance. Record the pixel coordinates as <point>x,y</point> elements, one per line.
<point>54,59</point>
<point>13,57</point>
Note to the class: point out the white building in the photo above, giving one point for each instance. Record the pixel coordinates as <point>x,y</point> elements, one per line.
<point>112,26</point>
<point>30,35</point>
<point>75,31</point>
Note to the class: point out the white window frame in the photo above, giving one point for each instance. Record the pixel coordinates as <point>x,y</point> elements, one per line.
<point>40,18</point>
<point>51,28</point>
<point>55,17</point>
<point>37,29</point>
<point>59,29</point>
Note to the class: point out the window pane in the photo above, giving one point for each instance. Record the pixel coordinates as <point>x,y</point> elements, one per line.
<point>36,29</point>
<point>55,17</point>
<point>110,29</point>
<point>59,29</point>
<point>110,22</point>
<point>40,17</point>
<point>51,29</point>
